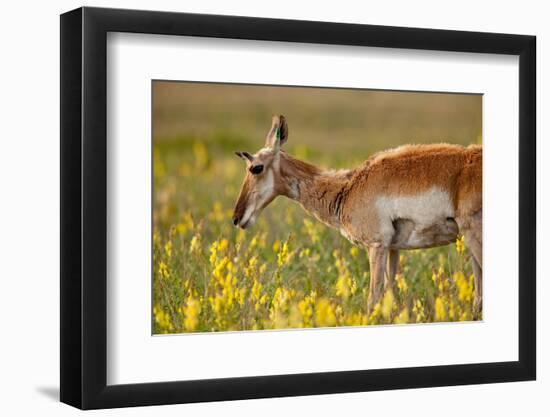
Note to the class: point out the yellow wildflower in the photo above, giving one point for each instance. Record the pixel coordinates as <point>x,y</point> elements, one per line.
<point>374,317</point>
<point>452,310</point>
<point>345,284</point>
<point>283,255</point>
<point>240,295</point>
<point>250,269</point>
<point>440,310</point>
<point>195,245</point>
<point>218,248</point>
<point>162,318</point>
<point>354,319</point>
<point>342,287</point>
<point>294,316</point>
<point>466,315</point>
<point>324,313</point>
<point>401,283</point>
<point>168,248</point>
<point>185,224</point>
<point>305,307</point>
<point>279,307</point>
<point>219,267</point>
<point>460,247</point>
<point>387,305</point>
<point>418,310</point>
<point>402,317</point>
<point>191,313</point>
<point>465,289</point>
<point>163,270</point>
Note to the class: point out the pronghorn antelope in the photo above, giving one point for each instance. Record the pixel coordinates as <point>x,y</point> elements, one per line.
<point>411,197</point>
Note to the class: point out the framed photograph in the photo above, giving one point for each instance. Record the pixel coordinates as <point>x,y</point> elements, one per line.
<point>258,208</point>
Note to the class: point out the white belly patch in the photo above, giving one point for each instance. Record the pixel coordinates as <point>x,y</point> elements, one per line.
<point>417,221</point>
<point>423,209</point>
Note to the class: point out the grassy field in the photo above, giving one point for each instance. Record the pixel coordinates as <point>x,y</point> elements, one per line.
<point>289,270</point>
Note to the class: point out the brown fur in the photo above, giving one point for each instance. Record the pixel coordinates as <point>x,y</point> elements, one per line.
<point>410,169</point>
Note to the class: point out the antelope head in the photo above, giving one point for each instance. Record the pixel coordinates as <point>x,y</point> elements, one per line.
<point>262,182</point>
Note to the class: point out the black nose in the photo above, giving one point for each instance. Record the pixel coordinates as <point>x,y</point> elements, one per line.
<point>235,220</point>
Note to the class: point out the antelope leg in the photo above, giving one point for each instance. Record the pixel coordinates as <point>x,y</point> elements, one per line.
<point>478,294</point>
<point>377,258</point>
<point>393,261</point>
<point>471,228</point>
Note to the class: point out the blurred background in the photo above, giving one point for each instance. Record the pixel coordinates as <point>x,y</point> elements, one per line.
<point>348,123</point>
<point>196,129</point>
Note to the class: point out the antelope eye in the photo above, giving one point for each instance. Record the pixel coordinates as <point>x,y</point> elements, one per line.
<point>256,169</point>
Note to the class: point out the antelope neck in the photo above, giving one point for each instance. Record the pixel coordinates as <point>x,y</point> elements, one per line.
<point>320,192</point>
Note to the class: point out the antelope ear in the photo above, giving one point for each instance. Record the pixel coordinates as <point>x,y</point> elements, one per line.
<point>278,134</point>
<point>245,156</point>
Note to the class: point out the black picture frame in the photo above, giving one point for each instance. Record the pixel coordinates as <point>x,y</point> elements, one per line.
<point>84,207</point>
